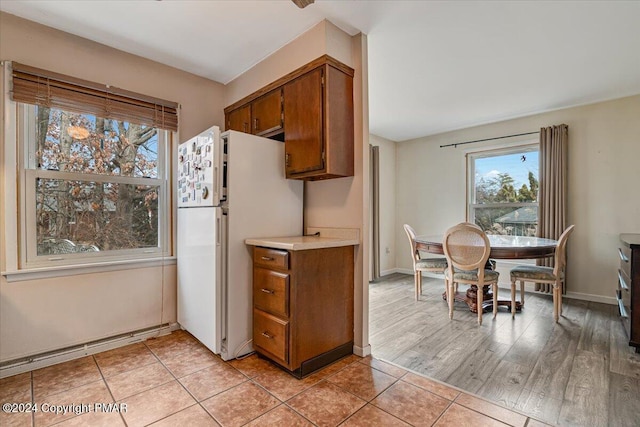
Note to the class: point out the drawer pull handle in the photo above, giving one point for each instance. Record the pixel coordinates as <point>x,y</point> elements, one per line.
<point>267,258</point>
<point>623,284</point>
<point>623,311</point>
<point>266,335</point>
<point>623,257</point>
<point>267,291</point>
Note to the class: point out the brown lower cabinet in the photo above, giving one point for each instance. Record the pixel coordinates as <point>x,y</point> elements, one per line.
<point>303,306</point>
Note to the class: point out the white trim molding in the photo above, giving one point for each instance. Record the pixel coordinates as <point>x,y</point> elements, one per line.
<point>31,363</point>
<point>362,351</point>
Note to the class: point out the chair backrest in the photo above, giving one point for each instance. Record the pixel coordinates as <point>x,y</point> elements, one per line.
<point>561,251</point>
<point>466,248</point>
<point>411,234</point>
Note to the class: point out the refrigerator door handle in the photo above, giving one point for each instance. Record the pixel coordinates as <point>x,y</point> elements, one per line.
<point>218,232</point>
<point>216,194</point>
<point>218,162</point>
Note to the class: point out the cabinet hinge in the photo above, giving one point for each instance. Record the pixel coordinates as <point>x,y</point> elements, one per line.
<point>286,159</point>
<point>323,156</point>
<point>322,80</point>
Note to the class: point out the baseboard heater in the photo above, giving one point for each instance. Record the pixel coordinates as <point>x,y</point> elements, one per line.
<point>30,363</point>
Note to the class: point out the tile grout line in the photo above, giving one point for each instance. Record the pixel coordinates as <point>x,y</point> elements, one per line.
<point>33,399</point>
<point>284,402</point>
<point>197,402</point>
<point>106,384</point>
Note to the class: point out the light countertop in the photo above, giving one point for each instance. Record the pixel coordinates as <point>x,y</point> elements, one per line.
<point>315,238</point>
<point>301,243</point>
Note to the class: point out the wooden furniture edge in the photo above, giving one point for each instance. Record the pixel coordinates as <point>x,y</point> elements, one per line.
<point>318,62</point>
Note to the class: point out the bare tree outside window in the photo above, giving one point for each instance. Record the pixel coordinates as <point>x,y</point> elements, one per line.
<point>96,183</point>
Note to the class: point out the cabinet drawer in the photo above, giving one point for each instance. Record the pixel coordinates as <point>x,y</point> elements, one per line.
<point>625,260</point>
<point>271,291</point>
<point>271,334</point>
<point>624,282</point>
<point>273,258</point>
<point>624,312</point>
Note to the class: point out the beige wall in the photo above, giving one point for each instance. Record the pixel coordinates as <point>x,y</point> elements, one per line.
<point>47,314</point>
<point>603,192</point>
<point>321,39</point>
<point>339,202</point>
<point>387,193</point>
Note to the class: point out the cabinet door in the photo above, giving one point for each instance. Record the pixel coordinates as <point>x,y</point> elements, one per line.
<point>304,145</point>
<point>240,119</point>
<point>266,113</point>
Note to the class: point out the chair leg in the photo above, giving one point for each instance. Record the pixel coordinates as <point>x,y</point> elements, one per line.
<point>479,304</point>
<point>513,299</point>
<point>450,296</point>
<point>522,292</point>
<point>555,303</point>
<point>416,282</point>
<point>419,284</point>
<point>495,300</point>
<point>446,291</point>
<point>560,285</point>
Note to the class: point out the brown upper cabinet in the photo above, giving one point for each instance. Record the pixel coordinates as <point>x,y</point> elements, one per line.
<point>261,117</point>
<point>313,106</point>
<point>240,119</point>
<point>266,113</point>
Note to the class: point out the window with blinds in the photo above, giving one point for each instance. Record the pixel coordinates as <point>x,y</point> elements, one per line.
<point>93,170</point>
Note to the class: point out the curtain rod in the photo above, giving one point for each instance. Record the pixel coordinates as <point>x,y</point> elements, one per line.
<point>454,145</point>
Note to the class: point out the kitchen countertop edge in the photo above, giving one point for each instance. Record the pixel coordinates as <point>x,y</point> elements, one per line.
<point>301,243</point>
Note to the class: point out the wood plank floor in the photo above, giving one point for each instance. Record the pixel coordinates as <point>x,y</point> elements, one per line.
<point>578,372</point>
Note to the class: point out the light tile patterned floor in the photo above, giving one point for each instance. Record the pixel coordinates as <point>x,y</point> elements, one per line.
<point>174,381</point>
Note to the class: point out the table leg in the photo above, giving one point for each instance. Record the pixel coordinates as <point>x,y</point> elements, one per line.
<point>469,298</point>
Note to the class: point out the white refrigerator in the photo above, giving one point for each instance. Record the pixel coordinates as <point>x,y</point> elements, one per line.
<point>231,186</point>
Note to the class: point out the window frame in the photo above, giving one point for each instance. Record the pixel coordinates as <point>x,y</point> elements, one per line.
<point>471,156</point>
<point>15,156</point>
<point>29,173</point>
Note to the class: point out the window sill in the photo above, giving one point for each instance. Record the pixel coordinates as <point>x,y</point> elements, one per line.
<point>73,270</point>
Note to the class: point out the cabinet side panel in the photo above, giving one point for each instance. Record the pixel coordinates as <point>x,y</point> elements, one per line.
<point>635,297</point>
<point>322,308</point>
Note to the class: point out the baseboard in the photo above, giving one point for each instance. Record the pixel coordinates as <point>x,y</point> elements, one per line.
<point>14,367</point>
<point>362,351</point>
<point>591,297</point>
<point>507,286</point>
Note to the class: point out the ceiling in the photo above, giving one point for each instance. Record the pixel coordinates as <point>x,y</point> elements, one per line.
<point>434,66</point>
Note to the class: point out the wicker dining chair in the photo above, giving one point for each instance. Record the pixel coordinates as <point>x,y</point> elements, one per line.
<point>540,274</point>
<point>433,265</point>
<point>467,249</point>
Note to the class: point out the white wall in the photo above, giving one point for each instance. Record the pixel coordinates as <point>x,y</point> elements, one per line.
<point>603,187</point>
<point>48,314</point>
<point>387,194</point>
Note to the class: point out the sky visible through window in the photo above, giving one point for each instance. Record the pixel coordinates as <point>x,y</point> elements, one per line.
<point>514,164</point>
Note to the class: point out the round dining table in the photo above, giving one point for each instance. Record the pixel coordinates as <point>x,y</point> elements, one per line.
<point>502,247</point>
